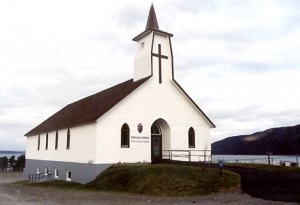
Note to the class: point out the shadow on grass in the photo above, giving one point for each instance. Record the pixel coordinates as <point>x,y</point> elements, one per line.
<point>270,183</point>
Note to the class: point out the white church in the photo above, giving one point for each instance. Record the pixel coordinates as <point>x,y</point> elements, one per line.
<point>145,119</point>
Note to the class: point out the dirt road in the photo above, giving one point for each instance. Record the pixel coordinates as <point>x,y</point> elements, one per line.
<point>13,194</point>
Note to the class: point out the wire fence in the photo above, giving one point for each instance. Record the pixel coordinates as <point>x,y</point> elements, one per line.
<point>288,160</point>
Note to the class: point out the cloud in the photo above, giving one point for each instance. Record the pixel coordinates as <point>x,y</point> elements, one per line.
<point>131,16</point>
<point>245,102</point>
<point>239,60</point>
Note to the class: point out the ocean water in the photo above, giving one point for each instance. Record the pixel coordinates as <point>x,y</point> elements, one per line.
<point>258,159</point>
<point>9,155</point>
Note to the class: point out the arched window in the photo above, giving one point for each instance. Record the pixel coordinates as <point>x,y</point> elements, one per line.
<point>39,142</point>
<point>68,139</point>
<point>155,130</point>
<point>125,133</point>
<point>46,141</point>
<point>56,140</point>
<point>191,138</point>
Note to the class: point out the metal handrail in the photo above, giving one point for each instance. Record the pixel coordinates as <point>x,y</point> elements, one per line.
<point>37,177</point>
<point>190,155</point>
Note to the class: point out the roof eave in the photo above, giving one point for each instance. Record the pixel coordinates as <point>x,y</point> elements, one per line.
<point>47,125</point>
<point>146,32</point>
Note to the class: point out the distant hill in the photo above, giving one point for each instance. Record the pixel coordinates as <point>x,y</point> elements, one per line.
<point>11,152</point>
<point>278,141</point>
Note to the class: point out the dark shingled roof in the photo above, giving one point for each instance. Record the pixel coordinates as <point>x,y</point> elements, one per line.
<point>87,109</point>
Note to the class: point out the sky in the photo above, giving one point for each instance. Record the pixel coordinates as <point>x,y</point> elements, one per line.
<point>237,59</point>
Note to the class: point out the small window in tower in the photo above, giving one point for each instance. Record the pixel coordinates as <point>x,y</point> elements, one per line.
<point>142,45</point>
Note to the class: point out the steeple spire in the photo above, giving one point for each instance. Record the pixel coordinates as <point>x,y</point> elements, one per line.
<point>154,55</point>
<point>152,26</point>
<point>152,20</point>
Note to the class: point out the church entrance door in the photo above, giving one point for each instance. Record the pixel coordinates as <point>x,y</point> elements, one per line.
<point>156,143</point>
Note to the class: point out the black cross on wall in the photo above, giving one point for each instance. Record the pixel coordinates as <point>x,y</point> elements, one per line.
<point>160,56</point>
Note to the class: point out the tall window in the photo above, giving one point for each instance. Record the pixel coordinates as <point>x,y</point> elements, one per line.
<point>125,132</point>
<point>68,139</point>
<point>56,173</point>
<point>46,171</point>
<point>68,175</point>
<point>56,140</point>
<point>39,142</point>
<point>191,138</point>
<point>46,141</point>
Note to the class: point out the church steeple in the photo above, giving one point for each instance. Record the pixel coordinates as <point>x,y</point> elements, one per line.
<point>152,25</point>
<point>154,56</point>
<point>152,21</point>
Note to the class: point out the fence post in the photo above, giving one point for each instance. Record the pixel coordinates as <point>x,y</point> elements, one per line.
<point>269,161</point>
<point>189,155</point>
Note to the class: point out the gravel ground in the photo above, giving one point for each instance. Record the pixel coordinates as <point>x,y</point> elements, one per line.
<point>12,194</point>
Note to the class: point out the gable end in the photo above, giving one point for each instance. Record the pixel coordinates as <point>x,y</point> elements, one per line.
<point>197,107</point>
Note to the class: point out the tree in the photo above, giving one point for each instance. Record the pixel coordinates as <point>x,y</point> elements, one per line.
<point>12,162</point>
<point>20,164</point>
<point>3,163</point>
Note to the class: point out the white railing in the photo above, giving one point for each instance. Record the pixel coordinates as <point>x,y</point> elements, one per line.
<point>187,155</point>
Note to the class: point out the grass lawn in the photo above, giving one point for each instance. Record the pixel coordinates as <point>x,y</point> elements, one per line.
<point>268,168</point>
<point>157,180</point>
<point>59,184</point>
<point>164,180</point>
<point>269,182</point>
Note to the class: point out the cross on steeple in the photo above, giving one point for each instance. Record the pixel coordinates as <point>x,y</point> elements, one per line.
<point>160,56</point>
<point>150,43</point>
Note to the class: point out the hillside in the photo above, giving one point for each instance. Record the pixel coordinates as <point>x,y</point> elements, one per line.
<point>11,152</point>
<point>164,180</point>
<point>278,141</point>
